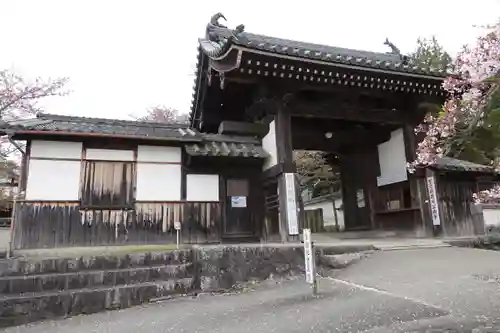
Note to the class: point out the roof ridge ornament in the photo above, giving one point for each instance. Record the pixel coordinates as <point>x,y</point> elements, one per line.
<point>218,37</point>
<point>214,20</point>
<point>214,23</point>
<point>395,50</point>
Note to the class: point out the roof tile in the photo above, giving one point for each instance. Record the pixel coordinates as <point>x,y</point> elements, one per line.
<point>197,144</point>
<point>230,149</point>
<point>453,164</point>
<point>83,125</point>
<point>219,38</point>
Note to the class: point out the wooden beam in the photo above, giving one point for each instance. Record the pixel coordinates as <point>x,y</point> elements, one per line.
<point>284,137</point>
<point>340,141</point>
<point>348,111</point>
<point>285,158</point>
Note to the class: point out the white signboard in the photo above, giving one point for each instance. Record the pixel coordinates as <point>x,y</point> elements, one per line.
<point>431,186</point>
<point>308,256</point>
<point>238,202</point>
<point>177,225</point>
<point>291,204</point>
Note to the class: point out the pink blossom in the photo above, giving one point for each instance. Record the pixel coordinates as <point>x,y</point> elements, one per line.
<point>468,90</point>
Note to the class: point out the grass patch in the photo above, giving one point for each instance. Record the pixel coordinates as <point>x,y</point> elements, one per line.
<point>142,248</point>
<point>73,252</point>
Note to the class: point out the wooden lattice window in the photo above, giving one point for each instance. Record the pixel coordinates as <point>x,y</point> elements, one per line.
<point>107,184</point>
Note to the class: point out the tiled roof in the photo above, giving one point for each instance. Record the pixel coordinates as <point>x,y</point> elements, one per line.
<point>197,144</point>
<point>227,145</point>
<point>110,127</point>
<point>230,148</point>
<point>453,164</point>
<point>219,39</point>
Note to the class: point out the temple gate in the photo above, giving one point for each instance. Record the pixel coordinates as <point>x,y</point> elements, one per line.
<point>361,107</point>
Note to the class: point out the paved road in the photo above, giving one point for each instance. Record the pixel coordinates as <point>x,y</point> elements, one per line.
<point>446,289</point>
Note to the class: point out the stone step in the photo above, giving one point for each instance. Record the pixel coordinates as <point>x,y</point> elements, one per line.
<point>32,266</point>
<point>29,307</point>
<point>88,279</point>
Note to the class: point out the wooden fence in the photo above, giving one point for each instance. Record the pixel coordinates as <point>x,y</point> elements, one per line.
<point>313,219</point>
<point>459,217</point>
<point>63,224</point>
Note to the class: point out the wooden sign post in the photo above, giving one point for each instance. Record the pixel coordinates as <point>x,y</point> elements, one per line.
<point>309,260</point>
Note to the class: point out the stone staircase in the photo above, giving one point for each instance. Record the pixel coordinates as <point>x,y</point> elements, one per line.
<point>35,289</point>
<point>40,287</point>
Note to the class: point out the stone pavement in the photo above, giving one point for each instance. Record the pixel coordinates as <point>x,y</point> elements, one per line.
<point>287,307</point>
<point>389,242</point>
<point>417,290</point>
<point>465,281</point>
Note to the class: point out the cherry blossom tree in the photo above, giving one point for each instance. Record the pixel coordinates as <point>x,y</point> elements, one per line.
<point>475,80</point>
<point>19,98</point>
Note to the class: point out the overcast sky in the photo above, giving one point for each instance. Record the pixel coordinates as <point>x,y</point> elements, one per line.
<point>123,56</point>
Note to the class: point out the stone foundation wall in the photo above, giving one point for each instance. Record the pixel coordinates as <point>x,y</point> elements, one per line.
<point>225,267</point>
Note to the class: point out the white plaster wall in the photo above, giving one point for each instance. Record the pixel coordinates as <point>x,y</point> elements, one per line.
<point>158,182</point>
<point>53,180</point>
<point>159,154</point>
<point>109,154</point>
<point>392,159</point>
<point>491,217</point>
<point>269,145</point>
<point>328,214</point>
<point>202,187</point>
<point>56,149</point>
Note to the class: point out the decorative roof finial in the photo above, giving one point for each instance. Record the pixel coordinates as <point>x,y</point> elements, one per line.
<point>218,38</point>
<point>214,24</point>
<point>394,49</point>
<point>214,20</point>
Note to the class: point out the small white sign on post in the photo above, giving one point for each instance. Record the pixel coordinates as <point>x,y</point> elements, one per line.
<point>177,227</point>
<point>309,259</point>
<point>431,186</point>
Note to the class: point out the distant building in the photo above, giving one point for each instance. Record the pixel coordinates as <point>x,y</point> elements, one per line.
<point>333,218</point>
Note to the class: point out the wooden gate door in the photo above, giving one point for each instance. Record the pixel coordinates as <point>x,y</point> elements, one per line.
<point>238,219</point>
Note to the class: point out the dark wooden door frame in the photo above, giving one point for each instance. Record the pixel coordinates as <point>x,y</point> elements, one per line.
<point>227,207</point>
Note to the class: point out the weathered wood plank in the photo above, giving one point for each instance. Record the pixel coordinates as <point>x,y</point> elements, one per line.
<point>63,224</point>
<point>456,207</point>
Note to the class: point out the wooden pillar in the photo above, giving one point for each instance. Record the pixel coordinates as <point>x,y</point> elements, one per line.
<point>16,227</point>
<point>288,203</point>
<point>418,187</point>
<point>358,170</point>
